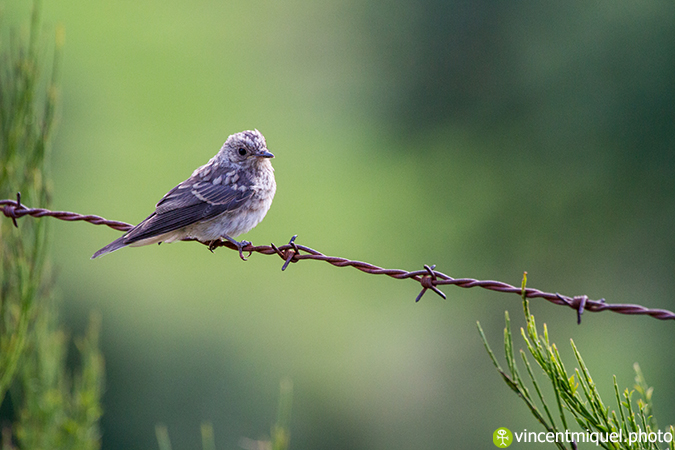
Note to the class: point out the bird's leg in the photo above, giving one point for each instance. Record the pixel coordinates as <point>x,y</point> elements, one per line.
<point>239,245</point>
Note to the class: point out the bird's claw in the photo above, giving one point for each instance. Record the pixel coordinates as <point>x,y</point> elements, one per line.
<point>240,247</point>
<point>212,245</point>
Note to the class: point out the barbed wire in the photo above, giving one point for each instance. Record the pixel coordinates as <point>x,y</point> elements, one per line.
<point>429,277</point>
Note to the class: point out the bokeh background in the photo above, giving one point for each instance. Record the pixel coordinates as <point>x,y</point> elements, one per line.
<point>489,138</point>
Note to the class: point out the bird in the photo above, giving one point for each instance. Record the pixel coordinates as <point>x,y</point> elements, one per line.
<point>224,198</point>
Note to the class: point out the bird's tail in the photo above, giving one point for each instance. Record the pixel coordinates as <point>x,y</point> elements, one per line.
<point>114,245</point>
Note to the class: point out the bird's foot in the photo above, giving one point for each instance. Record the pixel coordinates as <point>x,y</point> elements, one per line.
<point>213,244</point>
<point>240,246</point>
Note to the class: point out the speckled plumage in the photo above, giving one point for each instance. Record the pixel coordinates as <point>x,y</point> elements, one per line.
<point>223,199</point>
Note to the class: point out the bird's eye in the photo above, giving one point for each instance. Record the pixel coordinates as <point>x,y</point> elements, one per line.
<point>242,151</point>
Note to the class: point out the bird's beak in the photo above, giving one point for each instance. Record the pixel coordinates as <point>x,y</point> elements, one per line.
<point>266,154</point>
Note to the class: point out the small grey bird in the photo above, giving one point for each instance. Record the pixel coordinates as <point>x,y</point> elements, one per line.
<point>224,198</point>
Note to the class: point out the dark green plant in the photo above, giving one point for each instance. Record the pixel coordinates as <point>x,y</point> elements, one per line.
<point>50,409</point>
<point>575,394</point>
<point>25,125</point>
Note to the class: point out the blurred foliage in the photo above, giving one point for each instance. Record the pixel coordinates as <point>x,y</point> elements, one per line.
<point>25,125</point>
<point>280,435</point>
<point>59,412</point>
<point>601,69</point>
<point>43,408</point>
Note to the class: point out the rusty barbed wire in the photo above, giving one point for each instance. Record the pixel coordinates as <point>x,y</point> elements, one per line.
<point>15,210</point>
<point>429,278</point>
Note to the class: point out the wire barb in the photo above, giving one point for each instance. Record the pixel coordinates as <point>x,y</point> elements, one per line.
<point>427,282</point>
<point>429,278</point>
<point>18,206</point>
<point>289,252</point>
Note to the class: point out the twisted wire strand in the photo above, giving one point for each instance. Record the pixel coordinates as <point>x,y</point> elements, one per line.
<point>429,278</point>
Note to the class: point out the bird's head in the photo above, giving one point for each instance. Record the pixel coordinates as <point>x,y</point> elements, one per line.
<point>247,148</point>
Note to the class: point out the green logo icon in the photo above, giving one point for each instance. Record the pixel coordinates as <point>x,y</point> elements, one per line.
<point>502,437</point>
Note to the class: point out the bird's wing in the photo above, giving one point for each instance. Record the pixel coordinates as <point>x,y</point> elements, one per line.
<point>191,201</point>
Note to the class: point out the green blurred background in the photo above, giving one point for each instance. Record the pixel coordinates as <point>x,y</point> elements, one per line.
<point>489,138</point>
